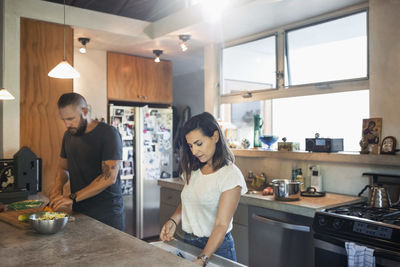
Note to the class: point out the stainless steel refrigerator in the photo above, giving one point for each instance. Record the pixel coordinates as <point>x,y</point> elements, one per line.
<point>146,157</point>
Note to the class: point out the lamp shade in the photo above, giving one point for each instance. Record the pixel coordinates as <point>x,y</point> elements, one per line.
<point>64,71</point>
<point>5,95</point>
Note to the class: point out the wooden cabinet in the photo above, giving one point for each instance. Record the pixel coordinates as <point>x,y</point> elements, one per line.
<point>138,79</point>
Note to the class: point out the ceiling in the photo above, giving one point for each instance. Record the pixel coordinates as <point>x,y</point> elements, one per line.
<point>169,18</point>
<point>147,10</point>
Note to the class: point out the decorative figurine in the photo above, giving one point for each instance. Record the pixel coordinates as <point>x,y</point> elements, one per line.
<point>364,146</point>
<point>245,143</point>
<point>388,145</point>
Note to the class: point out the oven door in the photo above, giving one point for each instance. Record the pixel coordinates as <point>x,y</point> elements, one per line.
<point>330,251</point>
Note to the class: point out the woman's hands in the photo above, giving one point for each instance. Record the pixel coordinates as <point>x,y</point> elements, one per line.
<point>168,231</point>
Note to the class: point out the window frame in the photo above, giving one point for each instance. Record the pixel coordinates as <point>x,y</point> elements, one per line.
<point>250,92</point>
<point>322,84</point>
<point>282,90</point>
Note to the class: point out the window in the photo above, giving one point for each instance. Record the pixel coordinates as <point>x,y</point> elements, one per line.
<point>330,51</point>
<point>337,115</point>
<point>250,66</point>
<point>333,52</point>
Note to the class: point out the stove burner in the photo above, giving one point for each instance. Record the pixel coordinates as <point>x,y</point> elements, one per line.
<point>361,210</point>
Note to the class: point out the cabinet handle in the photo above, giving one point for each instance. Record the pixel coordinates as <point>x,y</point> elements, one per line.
<point>295,227</point>
<point>145,97</point>
<point>139,96</point>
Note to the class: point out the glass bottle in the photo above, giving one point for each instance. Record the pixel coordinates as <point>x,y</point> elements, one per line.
<point>258,123</point>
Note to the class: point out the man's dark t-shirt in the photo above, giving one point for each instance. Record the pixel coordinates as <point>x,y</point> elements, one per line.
<point>84,155</point>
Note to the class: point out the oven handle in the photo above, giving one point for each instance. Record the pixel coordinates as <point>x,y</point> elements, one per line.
<point>295,227</point>
<point>337,245</point>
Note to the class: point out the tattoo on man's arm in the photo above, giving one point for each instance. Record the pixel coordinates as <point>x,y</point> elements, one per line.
<point>106,171</point>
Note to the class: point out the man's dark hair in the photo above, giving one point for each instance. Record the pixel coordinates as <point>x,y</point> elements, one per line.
<point>206,123</point>
<point>74,99</point>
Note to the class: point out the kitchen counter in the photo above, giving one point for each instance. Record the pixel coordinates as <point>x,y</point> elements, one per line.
<point>306,206</point>
<point>83,242</point>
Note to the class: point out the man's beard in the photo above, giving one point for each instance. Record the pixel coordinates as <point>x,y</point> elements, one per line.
<point>81,127</point>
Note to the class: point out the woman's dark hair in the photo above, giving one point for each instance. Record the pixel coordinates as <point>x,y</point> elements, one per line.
<point>207,124</point>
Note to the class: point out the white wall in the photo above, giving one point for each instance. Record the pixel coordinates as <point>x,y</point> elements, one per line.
<point>93,81</point>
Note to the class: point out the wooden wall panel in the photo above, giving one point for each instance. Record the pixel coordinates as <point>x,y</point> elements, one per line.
<point>41,128</point>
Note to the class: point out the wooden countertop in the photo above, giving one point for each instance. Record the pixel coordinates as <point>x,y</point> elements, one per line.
<point>306,206</point>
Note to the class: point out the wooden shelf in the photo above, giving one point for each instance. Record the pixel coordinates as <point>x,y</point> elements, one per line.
<point>342,157</point>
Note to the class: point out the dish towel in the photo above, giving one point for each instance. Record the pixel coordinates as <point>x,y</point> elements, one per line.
<point>359,256</point>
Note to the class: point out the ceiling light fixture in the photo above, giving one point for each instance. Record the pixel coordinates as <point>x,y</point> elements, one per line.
<point>184,38</point>
<point>64,70</point>
<point>157,53</point>
<point>83,41</point>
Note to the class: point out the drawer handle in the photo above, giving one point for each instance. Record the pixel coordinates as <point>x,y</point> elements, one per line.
<point>295,227</point>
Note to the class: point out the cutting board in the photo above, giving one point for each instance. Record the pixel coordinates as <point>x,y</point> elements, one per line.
<point>11,217</point>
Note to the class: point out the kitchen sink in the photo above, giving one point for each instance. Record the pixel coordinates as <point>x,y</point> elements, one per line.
<point>189,252</point>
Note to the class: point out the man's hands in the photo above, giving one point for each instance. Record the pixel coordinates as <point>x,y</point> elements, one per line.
<point>60,202</point>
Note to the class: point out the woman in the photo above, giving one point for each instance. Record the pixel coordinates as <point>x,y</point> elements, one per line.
<point>213,185</point>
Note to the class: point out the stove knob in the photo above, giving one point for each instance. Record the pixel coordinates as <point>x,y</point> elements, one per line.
<point>337,224</point>
<point>322,220</point>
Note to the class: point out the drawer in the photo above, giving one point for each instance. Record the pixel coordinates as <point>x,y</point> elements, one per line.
<point>170,197</point>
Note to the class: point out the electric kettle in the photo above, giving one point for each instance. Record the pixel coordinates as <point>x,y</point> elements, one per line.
<point>379,197</point>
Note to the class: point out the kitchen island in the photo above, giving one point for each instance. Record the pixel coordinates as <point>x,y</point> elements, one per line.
<point>83,242</point>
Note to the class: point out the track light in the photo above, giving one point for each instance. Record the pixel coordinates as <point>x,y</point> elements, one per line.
<point>184,38</point>
<point>83,41</point>
<point>157,53</point>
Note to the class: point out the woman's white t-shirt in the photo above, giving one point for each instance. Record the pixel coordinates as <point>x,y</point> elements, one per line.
<point>200,198</point>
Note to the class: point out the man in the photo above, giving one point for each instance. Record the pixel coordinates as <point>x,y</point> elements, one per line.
<point>90,156</point>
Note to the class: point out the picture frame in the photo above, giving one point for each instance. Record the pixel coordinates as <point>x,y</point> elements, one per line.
<point>371,134</point>
<point>371,130</point>
<point>388,145</point>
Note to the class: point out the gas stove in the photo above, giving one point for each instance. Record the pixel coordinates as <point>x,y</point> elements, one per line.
<point>361,223</point>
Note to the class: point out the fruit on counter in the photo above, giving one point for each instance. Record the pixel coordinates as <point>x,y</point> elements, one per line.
<point>23,217</point>
<point>268,191</point>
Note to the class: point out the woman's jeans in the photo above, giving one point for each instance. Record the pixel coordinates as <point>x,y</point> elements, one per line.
<point>226,250</point>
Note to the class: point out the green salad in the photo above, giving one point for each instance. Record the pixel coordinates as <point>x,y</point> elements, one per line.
<point>25,204</point>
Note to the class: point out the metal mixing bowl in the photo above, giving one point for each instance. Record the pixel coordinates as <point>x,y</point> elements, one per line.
<point>48,226</point>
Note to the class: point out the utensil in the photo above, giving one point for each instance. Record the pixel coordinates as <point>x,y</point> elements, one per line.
<point>312,192</point>
<point>48,226</point>
<point>286,190</point>
<point>379,197</point>
<point>269,140</point>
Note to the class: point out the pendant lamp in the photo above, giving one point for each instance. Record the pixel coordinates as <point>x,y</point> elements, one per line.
<point>64,70</point>
<point>4,94</point>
